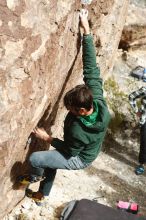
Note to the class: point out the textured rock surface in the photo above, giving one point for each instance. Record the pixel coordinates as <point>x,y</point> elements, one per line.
<point>39,52</point>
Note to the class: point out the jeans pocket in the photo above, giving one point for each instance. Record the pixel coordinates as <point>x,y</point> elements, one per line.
<point>75,163</point>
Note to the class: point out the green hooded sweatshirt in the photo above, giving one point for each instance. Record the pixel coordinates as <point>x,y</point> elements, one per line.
<point>83,135</point>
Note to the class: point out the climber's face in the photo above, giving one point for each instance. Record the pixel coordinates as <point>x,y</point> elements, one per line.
<point>80,112</point>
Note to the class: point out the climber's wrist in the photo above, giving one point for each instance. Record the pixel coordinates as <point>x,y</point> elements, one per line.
<point>86,30</point>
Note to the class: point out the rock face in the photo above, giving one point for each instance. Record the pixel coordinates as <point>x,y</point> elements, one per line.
<point>40,58</point>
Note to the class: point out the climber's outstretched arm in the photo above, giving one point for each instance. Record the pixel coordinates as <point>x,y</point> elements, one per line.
<point>91,70</point>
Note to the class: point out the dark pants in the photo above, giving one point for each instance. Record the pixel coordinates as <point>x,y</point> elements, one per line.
<point>142,153</point>
<point>46,163</point>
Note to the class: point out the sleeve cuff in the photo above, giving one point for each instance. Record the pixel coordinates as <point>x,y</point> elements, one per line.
<point>85,36</point>
<point>57,143</point>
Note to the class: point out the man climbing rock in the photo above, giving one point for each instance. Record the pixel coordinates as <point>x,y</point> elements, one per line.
<point>84,127</point>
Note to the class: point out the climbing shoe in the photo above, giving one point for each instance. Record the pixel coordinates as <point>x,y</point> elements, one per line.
<point>36,196</point>
<point>26,179</point>
<point>139,170</point>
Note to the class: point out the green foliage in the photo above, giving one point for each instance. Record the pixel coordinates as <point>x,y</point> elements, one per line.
<point>116,99</point>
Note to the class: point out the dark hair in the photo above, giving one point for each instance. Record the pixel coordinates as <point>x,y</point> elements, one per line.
<point>79,97</point>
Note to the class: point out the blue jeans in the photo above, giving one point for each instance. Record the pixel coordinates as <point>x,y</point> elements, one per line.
<point>46,163</point>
